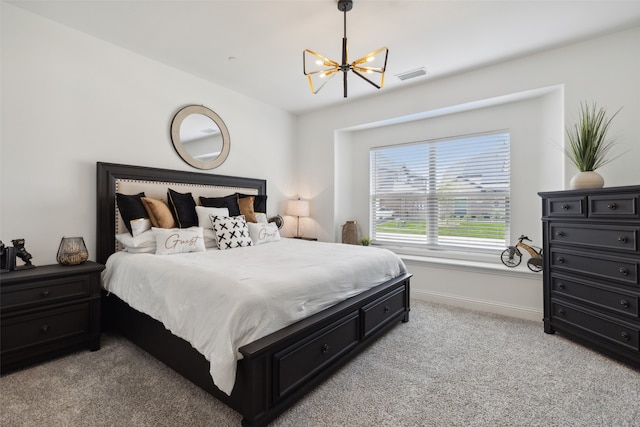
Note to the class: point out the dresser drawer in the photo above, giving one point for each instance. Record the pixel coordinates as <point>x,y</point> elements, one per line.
<point>48,325</point>
<point>609,329</point>
<point>614,206</point>
<point>46,292</point>
<point>621,238</point>
<point>623,270</point>
<point>596,294</point>
<point>566,207</point>
<point>295,364</point>
<point>379,312</point>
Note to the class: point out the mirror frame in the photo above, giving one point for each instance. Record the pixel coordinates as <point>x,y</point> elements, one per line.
<point>177,143</point>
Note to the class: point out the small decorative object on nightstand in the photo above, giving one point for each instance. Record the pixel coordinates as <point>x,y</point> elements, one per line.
<point>48,311</point>
<point>72,251</point>
<point>22,253</point>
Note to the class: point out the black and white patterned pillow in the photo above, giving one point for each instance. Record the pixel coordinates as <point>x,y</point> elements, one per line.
<point>231,232</point>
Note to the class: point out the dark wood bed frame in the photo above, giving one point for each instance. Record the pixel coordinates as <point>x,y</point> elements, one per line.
<point>276,370</point>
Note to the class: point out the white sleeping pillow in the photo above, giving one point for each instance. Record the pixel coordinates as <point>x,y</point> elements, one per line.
<point>263,233</point>
<point>142,243</point>
<point>203,213</point>
<point>178,240</point>
<point>261,218</point>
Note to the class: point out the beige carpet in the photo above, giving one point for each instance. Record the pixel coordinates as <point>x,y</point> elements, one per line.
<point>446,367</point>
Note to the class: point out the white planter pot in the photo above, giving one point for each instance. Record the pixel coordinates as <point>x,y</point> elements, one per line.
<point>588,179</point>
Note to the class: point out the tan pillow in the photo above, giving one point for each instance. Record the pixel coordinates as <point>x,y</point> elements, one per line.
<point>246,208</point>
<point>159,213</point>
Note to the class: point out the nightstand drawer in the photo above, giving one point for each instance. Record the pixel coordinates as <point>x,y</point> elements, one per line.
<point>566,207</point>
<point>614,206</point>
<point>297,363</point>
<point>596,294</point>
<point>48,325</point>
<point>621,269</point>
<point>46,292</point>
<point>620,333</point>
<point>618,238</point>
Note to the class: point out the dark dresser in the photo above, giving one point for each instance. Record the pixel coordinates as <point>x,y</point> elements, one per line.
<point>48,311</point>
<point>591,256</point>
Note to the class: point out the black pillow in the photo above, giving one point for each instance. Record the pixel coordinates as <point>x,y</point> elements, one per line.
<point>183,208</point>
<point>131,207</point>
<point>259,203</point>
<point>230,202</point>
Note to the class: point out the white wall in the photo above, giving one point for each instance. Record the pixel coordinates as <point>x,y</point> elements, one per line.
<point>70,100</point>
<point>550,84</point>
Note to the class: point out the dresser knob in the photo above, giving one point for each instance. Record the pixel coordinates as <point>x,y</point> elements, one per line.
<point>623,239</point>
<point>623,271</point>
<point>325,348</point>
<point>560,285</point>
<point>624,303</point>
<point>45,293</point>
<point>44,329</point>
<point>565,207</point>
<point>612,206</point>
<point>560,233</point>
<point>561,312</point>
<point>625,335</point>
<point>560,260</point>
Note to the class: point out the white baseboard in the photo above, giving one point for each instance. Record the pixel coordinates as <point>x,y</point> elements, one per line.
<point>520,312</point>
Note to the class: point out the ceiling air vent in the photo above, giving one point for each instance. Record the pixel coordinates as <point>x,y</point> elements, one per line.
<point>412,74</point>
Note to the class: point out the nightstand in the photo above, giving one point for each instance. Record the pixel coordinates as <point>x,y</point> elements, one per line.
<point>48,311</point>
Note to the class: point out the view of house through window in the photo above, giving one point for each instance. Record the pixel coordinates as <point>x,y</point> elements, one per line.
<point>450,193</point>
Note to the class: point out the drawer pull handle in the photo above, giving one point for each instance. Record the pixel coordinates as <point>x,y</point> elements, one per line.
<point>623,239</point>
<point>624,271</point>
<point>612,206</point>
<point>560,285</point>
<point>45,293</point>
<point>624,303</point>
<point>625,335</point>
<point>560,233</point>
<point>325,348</point>
<point>561,312</point>
<point>560,260</point>
<point>386,308</point>
<point>44,329</point>
<point>565,207</point>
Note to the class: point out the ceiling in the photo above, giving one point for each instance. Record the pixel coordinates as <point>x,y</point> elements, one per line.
<point>255,46</point>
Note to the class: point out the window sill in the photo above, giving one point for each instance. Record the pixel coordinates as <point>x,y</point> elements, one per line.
<point>484,267</point>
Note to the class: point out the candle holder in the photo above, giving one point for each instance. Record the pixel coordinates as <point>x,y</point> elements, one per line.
<point>72,251</point>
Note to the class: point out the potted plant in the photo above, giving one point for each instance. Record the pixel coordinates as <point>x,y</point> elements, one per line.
<point>365,241</point>
<point>589,148</point>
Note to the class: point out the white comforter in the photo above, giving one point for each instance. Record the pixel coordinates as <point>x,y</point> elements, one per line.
<point>221,300</point>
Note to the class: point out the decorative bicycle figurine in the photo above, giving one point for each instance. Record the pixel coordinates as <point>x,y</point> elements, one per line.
<point>512,256</point>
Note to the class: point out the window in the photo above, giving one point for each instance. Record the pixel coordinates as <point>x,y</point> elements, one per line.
<point>450,193</point>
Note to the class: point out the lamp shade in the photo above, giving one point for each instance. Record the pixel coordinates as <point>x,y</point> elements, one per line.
<point>298,208</point>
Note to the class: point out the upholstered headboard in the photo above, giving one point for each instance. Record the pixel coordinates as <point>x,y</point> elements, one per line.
<point>154,182</point>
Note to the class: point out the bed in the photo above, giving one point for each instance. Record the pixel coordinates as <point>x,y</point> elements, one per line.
<point>276,369</point>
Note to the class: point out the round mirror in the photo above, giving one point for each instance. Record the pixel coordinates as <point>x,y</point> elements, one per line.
<point>200,137</point>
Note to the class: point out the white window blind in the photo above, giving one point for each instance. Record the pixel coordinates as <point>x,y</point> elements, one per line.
<point>451,193</point>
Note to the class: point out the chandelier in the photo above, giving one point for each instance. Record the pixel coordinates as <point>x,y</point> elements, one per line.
<point>320,69</point>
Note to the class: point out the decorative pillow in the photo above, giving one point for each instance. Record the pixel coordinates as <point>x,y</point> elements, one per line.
<point>159,213</point>
<point>259,201</point>
<point>204,212</point>
<point>229,202</point>
<point>178,240</point>
<point>145,242</point>
<point>131,207</point>
<point>183,208</point>
<point>261,218</point>
<point>263,233</point>
<point>231,232</point>
<point>246,208</point>
<point>139,226</point>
